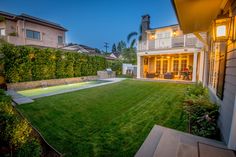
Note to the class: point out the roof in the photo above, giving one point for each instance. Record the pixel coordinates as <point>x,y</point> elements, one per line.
<point>80,48</point>
<point>30,18</point>
<point>197,15</point>
<point>117,54</point>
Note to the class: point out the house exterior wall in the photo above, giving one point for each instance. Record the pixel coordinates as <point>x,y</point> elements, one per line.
<point>48,35</point>
<point>227,104</point>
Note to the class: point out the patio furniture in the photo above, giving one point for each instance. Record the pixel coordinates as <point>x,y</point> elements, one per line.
<point>150,75</point>
<point>168,75</point>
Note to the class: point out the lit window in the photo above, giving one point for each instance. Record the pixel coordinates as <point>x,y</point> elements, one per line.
<point>32,34</point>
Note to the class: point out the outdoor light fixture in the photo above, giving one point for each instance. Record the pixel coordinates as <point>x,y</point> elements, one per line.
<point>152,36</point>
<point>222,29</point>
<point>174,33</point>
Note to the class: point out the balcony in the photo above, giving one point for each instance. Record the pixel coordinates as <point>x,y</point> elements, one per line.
<point>183,41</point>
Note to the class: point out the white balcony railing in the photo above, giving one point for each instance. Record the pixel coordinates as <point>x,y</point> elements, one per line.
<point>171,42</point>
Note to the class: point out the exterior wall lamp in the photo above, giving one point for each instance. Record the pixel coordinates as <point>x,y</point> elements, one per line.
<point>174,33</point>
<point>223,29</point>
<point>152,36</point>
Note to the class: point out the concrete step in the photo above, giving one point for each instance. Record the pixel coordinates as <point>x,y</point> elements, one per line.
<point>149,146</point>
<point>168,145</point>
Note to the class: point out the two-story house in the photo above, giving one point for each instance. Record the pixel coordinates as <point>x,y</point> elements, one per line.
<point>166,53</point>
<point>28,30</point>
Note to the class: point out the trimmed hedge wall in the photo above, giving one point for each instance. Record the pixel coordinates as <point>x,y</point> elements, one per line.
<point>23,63</point>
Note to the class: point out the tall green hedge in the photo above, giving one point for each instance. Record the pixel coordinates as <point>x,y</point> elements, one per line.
<point>23,63</point>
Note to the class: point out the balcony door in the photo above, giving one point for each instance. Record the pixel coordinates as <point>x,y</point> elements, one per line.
<point>163,40</point>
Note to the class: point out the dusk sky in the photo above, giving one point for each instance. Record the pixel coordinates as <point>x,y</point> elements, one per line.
<point>93,22</point>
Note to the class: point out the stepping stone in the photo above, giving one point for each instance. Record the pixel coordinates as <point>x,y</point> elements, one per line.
<point>206,150</point>
<point>22,100</point>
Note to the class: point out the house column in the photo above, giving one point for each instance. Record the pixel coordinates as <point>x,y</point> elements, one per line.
<point>138,66</point>
<point>201,66</point>
<point>194,74</point>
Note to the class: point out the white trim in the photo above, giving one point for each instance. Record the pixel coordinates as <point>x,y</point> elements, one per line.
<point>194,75</point>
<point>232,136</point>
<point>138,66</point>
<point>201,66</point>
<point>169,51</point>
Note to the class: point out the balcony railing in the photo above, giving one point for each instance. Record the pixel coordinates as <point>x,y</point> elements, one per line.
<point>188,41</point>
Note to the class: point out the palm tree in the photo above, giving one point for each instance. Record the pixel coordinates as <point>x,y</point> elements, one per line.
<point>133,37</point>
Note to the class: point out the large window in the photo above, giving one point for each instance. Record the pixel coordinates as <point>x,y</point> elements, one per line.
<point>158,66</point>
<point>183,65</point>
<point>165,66</point>
<point>2,32</point>
<point>217,68</point>
<point>60,40</point>
<point>33,34</point>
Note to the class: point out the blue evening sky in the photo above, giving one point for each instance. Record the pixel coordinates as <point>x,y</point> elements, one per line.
<point>93,22</point>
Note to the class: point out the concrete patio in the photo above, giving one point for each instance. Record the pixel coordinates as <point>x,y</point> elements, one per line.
<point>165,142</point>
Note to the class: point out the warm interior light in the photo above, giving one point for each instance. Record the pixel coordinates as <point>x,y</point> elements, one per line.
<point>174,33</point>
<point>221,31</point>
<point>152,36</point>
<point>168,57</point>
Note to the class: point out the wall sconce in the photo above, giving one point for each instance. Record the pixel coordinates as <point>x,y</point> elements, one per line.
<point>222,29</point>
<point>174,33</point>
<point>152,36</point>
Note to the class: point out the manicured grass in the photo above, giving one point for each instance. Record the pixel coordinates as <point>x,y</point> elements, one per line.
<point>111,120</point>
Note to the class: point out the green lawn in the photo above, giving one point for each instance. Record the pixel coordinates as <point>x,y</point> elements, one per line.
<point>111,120</point>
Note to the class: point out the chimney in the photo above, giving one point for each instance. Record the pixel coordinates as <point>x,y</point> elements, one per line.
<point>145,23</point>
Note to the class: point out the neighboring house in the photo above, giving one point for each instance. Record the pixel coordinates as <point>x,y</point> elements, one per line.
<point>167,51</point>
<point>218,18</point>
<point>81,49</point>
<point>28,30</point>
<point>116,55</point>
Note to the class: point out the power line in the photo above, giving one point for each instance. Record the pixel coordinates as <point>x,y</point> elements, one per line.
<point>106,45</point>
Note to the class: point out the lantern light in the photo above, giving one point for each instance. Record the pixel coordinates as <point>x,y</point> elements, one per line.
<point>221,29</point>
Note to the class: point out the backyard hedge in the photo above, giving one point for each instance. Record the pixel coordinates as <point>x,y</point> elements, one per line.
<point>23,63</point>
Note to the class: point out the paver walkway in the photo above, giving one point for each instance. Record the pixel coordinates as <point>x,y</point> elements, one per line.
<point>20,99</point>
<point>165,142</point>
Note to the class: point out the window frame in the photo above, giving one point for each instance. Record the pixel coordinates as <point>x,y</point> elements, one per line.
<point>33,34</point>
<point>4,29</point>
<point>62,40</point>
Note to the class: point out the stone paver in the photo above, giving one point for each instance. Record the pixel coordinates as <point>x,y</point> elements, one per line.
<point>18,98</point>
<point>165,142</point>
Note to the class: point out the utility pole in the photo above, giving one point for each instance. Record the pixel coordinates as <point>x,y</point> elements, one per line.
<point>106,45</point>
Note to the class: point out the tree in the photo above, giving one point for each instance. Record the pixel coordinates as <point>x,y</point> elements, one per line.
<point>133,37</point>
<point>98,51</point>
<point>113,48</point>
<point>121,46</point>
<point>129,55</point>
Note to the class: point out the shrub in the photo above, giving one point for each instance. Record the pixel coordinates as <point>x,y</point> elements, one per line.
<point>203,114</point>
<point>23,63</point>
<point>31,148</point>
<point>116,66</point>
<point>15,131</point>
